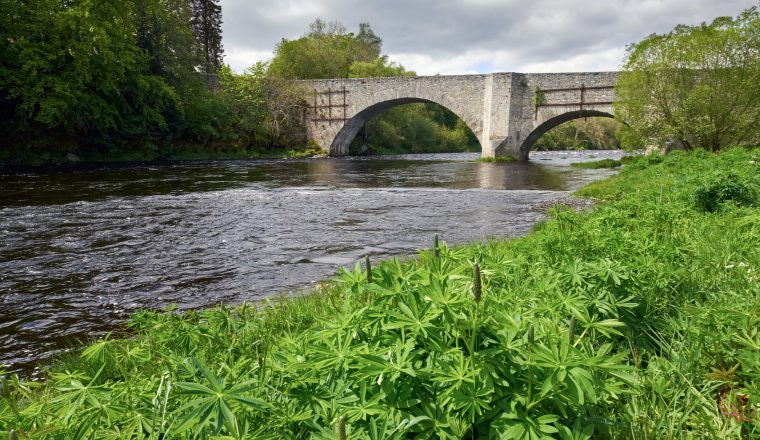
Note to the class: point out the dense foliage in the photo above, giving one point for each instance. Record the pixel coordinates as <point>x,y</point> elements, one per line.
<point>415,128</point>
<point>328,50</point>
<point>581,134</point>
<point>694,87</point>
<point>101,79</point>
<point>130,80</point>
<point>636,320</point>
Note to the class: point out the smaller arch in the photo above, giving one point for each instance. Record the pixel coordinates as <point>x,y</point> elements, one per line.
<point>342,141</point>
<point>547,125</point>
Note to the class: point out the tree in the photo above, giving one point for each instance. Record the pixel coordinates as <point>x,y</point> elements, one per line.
<point>246,97</point>
<point>380,67</point>
<point>328,50</point>
<point>206,22</point>
<point>368,45</point>
<point>696,86</point>
<point>92,77</point>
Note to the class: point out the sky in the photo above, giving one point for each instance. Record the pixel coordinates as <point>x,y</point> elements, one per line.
<point>472,36</point>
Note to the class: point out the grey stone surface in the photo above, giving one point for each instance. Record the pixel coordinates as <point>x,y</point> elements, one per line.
<point>499,108</point>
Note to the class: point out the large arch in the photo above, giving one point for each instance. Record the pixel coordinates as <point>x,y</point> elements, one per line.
<point>547,125</point>
<point>342,141</point>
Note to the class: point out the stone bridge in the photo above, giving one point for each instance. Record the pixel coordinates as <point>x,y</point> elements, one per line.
<point>507,112</point>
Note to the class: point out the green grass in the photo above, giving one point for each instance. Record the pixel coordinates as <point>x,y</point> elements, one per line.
<point>499,159</point>
<point>637,320</point>
<point>603,163</point>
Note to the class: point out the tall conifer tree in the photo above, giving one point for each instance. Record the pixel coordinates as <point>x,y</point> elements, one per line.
<point>207,24</point>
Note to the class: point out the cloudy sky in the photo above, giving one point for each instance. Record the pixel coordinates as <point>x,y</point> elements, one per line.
<point>472,36</point>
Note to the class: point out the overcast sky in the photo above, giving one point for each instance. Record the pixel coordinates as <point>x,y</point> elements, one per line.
<point>472,36</point>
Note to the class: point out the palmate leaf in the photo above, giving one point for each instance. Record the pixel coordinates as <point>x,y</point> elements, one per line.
<point>77,399</point>
<point>474,399</point>
<point>454,370</point>
<point>579,431</point>
<point>518,424</point>
<point>413,317</point>
<point>214,401</point>
<point>365,406</point>
<point>399,360</point>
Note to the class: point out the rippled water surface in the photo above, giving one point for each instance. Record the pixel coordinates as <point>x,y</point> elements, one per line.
<point>80,249</point>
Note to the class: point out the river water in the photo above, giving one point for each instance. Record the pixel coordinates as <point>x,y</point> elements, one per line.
<point>80,249</point>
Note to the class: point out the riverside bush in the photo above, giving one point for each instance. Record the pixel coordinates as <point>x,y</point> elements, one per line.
<point>638,319</point>
<point>721,189</point>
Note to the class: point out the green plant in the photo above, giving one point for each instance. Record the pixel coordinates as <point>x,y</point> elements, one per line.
<point>722,189</point>
<point>603,163</point>
<point>498,159</point>
<point>539,97</point>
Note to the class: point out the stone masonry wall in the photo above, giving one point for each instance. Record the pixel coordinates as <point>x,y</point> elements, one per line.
<point>499,108</point>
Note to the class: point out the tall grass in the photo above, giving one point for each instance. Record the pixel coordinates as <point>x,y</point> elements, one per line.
<point>638,320</point>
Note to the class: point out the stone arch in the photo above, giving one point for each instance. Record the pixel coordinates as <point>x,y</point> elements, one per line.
<point>342,141</point>
<point>547,125</point>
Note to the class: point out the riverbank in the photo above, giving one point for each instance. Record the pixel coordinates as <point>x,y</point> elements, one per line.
<point>152,155</point>
<point>637,318</point>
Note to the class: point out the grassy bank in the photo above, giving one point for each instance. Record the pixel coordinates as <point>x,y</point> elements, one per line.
<point>597,164</point>
<point>636,320</point>
<point>189,152</point>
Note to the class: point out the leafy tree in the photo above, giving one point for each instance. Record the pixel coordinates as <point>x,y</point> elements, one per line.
<point>368,45</point>
<point>101,77</point>
<point>379,67</point>
<point>326,51</point>
<point>696,86</point>
<point>206,22</point>
<point>415,128</point>
<point>76,74</point>
<point>245,95</point>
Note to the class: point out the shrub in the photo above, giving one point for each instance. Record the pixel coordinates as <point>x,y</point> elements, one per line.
<point>722,189</point>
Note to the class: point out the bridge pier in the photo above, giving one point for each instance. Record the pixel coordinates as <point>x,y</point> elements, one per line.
<point>507,112</point>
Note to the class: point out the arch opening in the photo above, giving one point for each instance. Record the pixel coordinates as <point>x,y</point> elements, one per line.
<point>404,125</point>
<point>530,141</point>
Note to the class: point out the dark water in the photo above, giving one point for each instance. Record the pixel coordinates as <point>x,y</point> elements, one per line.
<point>81,249</point>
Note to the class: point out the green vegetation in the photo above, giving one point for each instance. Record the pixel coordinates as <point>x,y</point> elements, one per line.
<point>499,159</point>
<point>638,319</point>
<point>415,128</point>
<point>103,80</point>
<point>130,81</point>
<point>603,163</point>
<point>581,134</point>
<point>694,87</point>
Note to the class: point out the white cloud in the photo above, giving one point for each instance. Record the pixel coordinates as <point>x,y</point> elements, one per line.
<point>241,59</point>
<point>605,60</point>
<point>467,36</point>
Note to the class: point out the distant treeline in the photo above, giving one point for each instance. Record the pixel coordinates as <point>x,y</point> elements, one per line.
<point>144,79</point>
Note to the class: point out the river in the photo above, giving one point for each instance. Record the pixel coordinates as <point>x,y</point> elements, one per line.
<point>83,248</point>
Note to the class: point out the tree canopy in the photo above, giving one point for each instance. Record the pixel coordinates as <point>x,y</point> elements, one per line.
<point>327,50</point>
<point>86,77</point>
<point>206,21</point>
<point>696,86</point>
